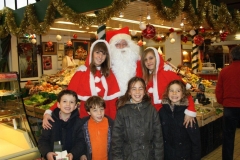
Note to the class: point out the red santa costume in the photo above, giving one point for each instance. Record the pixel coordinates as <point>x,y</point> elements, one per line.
<point>124,61</point>
<point>161,78</point>
<point>85,84</point>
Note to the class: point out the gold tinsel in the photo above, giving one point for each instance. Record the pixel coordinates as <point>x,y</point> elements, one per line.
<point>83,20</point>
<point>195,19</point>
<point>224,19</point>
<point>204,12</point>
<point>165,13</point>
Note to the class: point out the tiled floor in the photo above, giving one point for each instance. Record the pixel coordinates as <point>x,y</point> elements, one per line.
<point>217,153</point>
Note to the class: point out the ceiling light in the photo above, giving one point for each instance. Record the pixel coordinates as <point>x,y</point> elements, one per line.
<point>69,30</point>
<point>91,15</point>
<point>64,22</point>
<point>201,27</point>
<point>237,36</point>
<point>137,22</point>
<point>121,14</point>
<point>181,24</point>
<point>148,16</point>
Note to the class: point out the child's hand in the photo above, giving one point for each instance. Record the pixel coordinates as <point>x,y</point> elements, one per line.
<point>51,155</point>
<point>187,120</point>
<point>83,157</point>
<point>45,123</point>
<point>70,156</point>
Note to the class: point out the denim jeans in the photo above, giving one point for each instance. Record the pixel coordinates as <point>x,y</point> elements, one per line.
<point>231,117</point>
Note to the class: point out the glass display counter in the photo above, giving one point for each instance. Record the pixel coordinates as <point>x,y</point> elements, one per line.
<point>16,138</point>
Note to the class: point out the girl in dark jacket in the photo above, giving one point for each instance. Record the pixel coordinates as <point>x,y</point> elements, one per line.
<point>180,143</point>
<point>136,131</point>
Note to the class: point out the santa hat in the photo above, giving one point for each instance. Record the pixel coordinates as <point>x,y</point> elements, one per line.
<point>115,35</point>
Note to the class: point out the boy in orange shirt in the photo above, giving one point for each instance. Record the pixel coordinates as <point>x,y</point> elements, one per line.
<point>97,130</point>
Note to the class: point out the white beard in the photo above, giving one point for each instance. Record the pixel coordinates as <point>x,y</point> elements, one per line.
<point>123,64</point>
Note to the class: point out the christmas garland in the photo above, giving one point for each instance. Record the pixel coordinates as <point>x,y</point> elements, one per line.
<point>165,13</point>
<point>204,12</point>
<point>224,20</point>
<point>195,19</point>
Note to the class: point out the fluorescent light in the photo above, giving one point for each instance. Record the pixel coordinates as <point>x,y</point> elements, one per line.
<point>64,22</point>
<point>69,30</point>
<point>121,14</point>
<point>237,36</point>
<point>148,16</point>
<point>91,15</point>
<point>137,22</point>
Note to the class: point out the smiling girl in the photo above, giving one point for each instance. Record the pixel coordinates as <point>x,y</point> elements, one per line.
<point>179,142</point>
<point>95,78</point>
<point>136,132</point>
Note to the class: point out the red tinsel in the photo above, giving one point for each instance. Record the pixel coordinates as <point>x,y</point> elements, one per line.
<point>198,40</point>
<point>171,30</point>
<point>75,36</point>
<point>184,39</point>
<point>149,32</point>
<point>224,35</point>
<point>202,30</point>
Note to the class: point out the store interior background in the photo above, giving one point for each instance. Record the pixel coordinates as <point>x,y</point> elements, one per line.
<point>133,14</point>
<point>136,11</point>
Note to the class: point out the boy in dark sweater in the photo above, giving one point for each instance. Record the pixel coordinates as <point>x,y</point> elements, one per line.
<point>66,129</point>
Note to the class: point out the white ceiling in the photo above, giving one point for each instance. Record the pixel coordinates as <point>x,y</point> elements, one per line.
<point>136,11</point>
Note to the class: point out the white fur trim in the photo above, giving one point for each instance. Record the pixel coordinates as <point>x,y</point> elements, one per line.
<point>83,98</point>
<point>150,90</point>
<point>97,89</point>
<point>156,99</point>
<point>167,67</point>
<point>105,86</point>
<point>115,95</point>
<point>92,85</point>
<point>82,68</point>
<point>190,113</point>
<point>48,111</point>
<point>97,79</point>
<point>119,37</point>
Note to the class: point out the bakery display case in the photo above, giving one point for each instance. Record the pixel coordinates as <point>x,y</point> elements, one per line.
<point>16,137</point>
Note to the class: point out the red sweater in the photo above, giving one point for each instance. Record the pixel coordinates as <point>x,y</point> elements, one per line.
<point>228,87</point>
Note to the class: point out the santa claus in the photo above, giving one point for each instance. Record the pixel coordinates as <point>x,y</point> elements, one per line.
<point>124,56</point>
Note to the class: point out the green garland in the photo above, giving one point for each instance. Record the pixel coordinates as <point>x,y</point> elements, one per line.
<point>165,13</point>
<point>195,19</point>
<point>204,12</point>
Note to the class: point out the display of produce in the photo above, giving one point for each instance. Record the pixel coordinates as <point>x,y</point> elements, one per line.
<point>66,75</point>
<point>35,99</point>
<point>47,105</point>
<point>45,87</point>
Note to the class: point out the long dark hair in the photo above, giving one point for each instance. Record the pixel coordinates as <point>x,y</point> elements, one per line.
<point>146,75</point>
<point>105,66</point>
<point>185,92</point>
<point>126,97</point>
